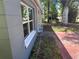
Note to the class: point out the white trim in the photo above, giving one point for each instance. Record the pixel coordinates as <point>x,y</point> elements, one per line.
<point>23,4</point>
<point>30,20</point>
<point>29,38</point>
<point>26,21</point>
<point>29,27</point>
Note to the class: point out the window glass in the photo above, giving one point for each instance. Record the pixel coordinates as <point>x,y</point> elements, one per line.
<point>30,14</point>
<point>24,13</point>
<point>25,26</point>
<point>31,26</point>
<point>27,19</point>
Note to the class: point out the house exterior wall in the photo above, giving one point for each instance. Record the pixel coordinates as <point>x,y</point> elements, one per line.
<point>39,21</point>
<point>15,29</point>
<point>5,50</point>
<point>13,44</point>
<point>38,15</point>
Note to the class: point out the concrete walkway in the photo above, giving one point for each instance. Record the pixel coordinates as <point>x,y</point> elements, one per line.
<point>70,41</point>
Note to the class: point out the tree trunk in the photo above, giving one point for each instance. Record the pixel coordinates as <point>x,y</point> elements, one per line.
<point>65,15</point>
<point>48,9</point>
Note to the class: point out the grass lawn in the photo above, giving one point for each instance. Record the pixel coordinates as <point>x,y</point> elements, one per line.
<point>59,28</point>
<point>45,48</point>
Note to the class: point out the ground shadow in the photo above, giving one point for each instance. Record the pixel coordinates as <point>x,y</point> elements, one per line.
<point>64,52</point>
<point>73,37</point>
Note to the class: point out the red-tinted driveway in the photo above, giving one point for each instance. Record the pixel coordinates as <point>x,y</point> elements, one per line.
<point>70,41</point>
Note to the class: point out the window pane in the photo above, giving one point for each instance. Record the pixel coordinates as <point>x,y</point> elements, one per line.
<point>30,14</point>
<point>31,26</point>
<point>24,13</point>
<point>27,17</point>
<point>25,26</point>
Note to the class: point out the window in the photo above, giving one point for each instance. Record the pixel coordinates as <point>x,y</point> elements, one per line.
<point>30,14</point>
<point>27,18</point>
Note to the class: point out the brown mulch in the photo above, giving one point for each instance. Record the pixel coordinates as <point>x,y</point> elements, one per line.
<point>45,46</point>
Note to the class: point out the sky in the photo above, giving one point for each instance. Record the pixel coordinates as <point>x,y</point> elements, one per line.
<point>57,5</point>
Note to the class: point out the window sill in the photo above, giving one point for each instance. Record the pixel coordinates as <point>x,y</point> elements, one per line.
<point>29,38</point>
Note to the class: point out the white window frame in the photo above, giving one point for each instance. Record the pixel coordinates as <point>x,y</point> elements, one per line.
<point>28,21</point>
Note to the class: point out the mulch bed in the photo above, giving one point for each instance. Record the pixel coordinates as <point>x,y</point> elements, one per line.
<point>45,48</point>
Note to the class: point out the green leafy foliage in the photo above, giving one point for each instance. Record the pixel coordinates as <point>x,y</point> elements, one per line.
<point>73,9</point>
<point>49,8</point>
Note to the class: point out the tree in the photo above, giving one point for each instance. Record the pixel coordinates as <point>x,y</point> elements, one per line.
<point>73,11</point>
<point>49,9</point>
